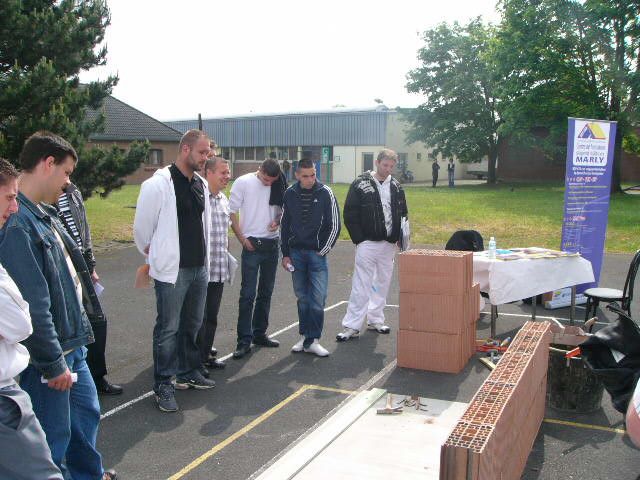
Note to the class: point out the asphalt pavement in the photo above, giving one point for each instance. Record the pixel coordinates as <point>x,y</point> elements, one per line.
<point>264,402</point>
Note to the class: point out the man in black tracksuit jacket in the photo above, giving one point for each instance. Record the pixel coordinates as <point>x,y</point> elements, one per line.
<point>309,228</point>
<point>373,213</point>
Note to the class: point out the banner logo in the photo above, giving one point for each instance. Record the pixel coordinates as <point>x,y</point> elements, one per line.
<point>592,130</point>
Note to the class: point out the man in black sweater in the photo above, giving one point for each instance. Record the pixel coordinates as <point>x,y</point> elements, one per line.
<point>373,213</point>
<point>309,229</point>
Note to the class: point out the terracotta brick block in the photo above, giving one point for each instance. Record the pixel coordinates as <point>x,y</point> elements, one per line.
<point>436,352</point>
<point>443,272</point>
<point>494,430</point>
<point>425,312</point>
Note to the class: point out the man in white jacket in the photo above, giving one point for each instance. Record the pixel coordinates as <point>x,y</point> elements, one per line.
<point>171,227</point>
<point>21,430</point>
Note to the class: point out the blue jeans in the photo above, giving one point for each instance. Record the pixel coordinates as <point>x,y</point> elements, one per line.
<point>180,312</point>
<point>310,282</point>
<point>69,419</point>
<point>258,270</point>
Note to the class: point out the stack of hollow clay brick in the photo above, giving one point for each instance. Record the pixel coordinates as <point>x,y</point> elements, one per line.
<point>493,438</point>
<point>439,308</point>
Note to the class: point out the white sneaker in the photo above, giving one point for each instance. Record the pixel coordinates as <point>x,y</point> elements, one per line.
<point>346,334</point>
<point>298,347</point>
<point>317,349</point>
<point>379,327</point>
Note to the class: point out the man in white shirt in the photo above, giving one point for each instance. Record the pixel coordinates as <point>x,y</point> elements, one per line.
<point>373,213</point>
<point>22,431</point>
<point>257,231</point>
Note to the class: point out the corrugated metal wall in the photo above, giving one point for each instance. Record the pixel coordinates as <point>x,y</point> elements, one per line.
<point>340,128</point>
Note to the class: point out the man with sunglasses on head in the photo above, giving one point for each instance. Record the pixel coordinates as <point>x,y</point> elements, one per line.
<point>171,227</point>
<point>52,276</point>
<point>22,431</point>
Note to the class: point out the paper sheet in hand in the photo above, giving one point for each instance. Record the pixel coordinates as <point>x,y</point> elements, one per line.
<point>405,234</point>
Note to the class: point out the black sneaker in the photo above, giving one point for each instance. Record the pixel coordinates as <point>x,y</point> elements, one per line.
<point>195,380</point>
<point>166,399</point>
<point>266,342</point>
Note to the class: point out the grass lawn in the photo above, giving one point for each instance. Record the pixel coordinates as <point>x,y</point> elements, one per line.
<point>522,215</point>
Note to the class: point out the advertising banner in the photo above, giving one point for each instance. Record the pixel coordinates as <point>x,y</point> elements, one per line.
<point>587,185</point>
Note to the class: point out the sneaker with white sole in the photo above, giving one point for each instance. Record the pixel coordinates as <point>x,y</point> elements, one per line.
<point>165,398</point>
<point>379,327</point>
<point>346,334</point>
<point>317,349</point>
<point>298,347</point>
<point>195,380</point>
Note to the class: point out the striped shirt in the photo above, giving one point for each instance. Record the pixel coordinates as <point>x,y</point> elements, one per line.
<point>219,238</point>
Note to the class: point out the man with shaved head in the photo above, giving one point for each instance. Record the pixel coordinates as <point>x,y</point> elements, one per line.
<point>171,228</point>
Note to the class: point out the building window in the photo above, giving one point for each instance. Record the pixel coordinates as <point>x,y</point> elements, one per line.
<point>225,152</point>
<point>249,153</point>
<point>260,153</point>
<point>154,157</point>
<point>367,162</point>
<point>239,153</point>
<point>419,156</point>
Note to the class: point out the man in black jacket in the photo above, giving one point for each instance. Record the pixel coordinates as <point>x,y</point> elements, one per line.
<point>309,229</point>
<point>373,212</point>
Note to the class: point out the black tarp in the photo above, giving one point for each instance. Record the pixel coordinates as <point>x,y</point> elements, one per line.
<point>620,375</point>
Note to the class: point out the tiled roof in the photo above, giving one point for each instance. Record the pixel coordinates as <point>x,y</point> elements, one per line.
<point>123,122</point>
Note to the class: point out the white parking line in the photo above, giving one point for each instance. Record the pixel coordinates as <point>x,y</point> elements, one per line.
<point>148,394</point>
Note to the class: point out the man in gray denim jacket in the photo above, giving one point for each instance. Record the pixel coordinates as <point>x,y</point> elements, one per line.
<point>48,268</point>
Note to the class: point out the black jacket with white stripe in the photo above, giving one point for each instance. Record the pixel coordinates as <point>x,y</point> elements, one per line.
<point>321,229</point>
<point>363,215</point>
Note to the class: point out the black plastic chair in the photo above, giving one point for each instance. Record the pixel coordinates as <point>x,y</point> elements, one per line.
<point>609,295</point>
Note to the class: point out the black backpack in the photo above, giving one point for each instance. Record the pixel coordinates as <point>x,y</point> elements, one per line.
<point>466,241</point>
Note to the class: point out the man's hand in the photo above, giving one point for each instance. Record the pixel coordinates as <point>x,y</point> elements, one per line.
<point>286,262</point>
<point>94,277</point>
<point>61,382</point>
<point>246,243</point>
<point>273,226</point>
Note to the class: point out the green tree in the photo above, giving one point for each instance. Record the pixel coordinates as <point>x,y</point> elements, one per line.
<point>460,116</point>
<point>44,45</point>
<point>568,58</point>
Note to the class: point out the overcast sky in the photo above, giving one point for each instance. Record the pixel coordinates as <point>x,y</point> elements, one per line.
<point>176,59</point>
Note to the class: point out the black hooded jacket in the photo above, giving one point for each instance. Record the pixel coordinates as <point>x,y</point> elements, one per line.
<point>363,215</point>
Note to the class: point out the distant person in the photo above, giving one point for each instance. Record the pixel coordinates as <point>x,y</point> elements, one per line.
<point>21,431</point>
<point>217,174</point>
<point>257,230</point>
<point>171,227</point>
<point>73,216</point>
<point>451,169</point>
<point>310,228</point>
<point>373,212</point>
<point>286,167</point>
<point>52,276</point>
<point>434,172</point>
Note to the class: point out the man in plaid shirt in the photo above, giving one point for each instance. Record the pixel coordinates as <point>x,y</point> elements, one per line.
<point>216,171</point>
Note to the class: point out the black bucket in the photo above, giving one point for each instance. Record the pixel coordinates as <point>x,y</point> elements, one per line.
<point>571,385</point>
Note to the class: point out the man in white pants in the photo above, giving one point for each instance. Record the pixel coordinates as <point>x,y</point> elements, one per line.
<point>373,212</point>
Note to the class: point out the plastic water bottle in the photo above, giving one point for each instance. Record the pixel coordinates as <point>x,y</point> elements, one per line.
<point>492,248</point>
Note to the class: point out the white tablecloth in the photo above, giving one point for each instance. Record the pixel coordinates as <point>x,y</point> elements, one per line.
<point>510,280</point>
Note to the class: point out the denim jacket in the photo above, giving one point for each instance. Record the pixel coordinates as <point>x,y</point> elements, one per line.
<point>30,252</point>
